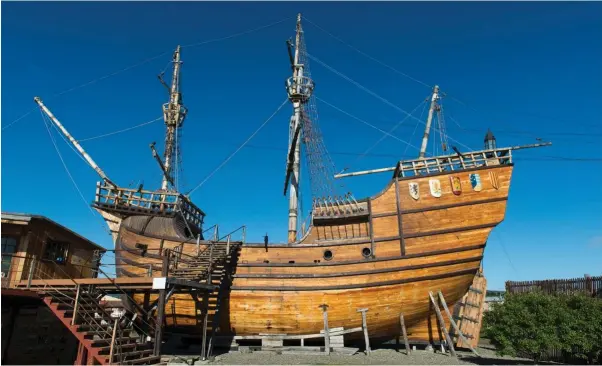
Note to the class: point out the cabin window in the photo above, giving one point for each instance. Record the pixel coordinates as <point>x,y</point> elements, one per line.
<point>366,252</point>
<point>56,251</point>
<point>328,254</point>
<point>9,247</point>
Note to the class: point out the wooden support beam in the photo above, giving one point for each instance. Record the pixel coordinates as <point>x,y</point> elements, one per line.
<point>448,339</point>
<point>326,331</point>
<point>453,323</point>
<point>405,334</point>
<point>204,335</point>
<point>365,328</point>
<point>161,306</point>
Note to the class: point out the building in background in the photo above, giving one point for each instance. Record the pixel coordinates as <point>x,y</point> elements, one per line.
<point>35,247</point>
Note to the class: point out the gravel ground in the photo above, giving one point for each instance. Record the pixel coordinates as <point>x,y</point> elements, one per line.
<point>377,357</point>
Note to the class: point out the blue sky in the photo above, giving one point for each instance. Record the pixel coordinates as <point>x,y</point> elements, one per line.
<point>525,70</point>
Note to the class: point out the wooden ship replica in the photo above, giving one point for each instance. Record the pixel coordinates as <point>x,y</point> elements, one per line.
<point>426,230</point>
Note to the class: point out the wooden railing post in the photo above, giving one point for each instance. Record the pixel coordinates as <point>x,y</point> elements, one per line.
<point>228,245</point>
<point>32,266</point>
<point>244,234</point>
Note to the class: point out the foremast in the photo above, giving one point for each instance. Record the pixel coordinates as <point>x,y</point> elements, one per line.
<point>116,203</point>
<point>174,114</point>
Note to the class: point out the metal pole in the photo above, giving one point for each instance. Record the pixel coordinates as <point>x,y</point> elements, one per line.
<point>76,305</point>
<point>113,341</point>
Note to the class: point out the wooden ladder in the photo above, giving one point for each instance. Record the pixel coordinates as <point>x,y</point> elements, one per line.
<point>468,312</point>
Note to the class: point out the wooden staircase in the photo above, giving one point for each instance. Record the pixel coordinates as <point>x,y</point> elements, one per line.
<point>212,266</point>
<point>106,339</point>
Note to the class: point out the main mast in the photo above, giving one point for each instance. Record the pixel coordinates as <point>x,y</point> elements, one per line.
<point>174,113</point>
<point>299,90</point>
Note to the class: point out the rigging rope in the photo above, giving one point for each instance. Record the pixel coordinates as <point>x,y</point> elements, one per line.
<point>44,120</point>
<point>367,123</point>
<point>119,131</point>
<point>144,62</point>
<point>384,136</point>
<point>422,82</point>
<point>368,56</point>
<point>384,100</point>
<point>238,34</point>
<point>237,150</point>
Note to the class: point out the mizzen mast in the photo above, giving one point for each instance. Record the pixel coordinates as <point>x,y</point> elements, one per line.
<point>174,114</point>
<point>299,90</point>
<point>433,108</point>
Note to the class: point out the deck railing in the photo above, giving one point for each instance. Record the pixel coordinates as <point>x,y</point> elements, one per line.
<point>156,202</point>
<point>440,164</point>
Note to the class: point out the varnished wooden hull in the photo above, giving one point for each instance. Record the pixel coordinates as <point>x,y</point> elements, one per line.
<point>416,246</point>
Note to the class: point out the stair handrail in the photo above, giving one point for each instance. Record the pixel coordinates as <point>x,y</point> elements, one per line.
<point>244,233</point>
<point>138,307</point>
<point>102,310</point>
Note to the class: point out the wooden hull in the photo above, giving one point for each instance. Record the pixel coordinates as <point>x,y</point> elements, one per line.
<point>386,262</point>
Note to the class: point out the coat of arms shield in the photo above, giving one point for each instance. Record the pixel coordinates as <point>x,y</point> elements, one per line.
<point>456,185</point>
<point>495,182</point>
<point>435,186</point>
<point>475,182</point>
<point>414,190</point>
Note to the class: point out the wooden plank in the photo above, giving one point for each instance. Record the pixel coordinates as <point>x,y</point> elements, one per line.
<point>450,344</point>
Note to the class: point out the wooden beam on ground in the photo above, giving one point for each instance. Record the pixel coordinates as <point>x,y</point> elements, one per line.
<point>453,323</point>
<point>450,344</point>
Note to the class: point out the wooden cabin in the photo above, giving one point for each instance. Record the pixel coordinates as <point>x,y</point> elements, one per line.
<point>37,247</point>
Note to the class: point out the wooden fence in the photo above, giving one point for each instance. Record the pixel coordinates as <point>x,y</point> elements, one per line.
<point>590,285</point>
<point>587,284</point>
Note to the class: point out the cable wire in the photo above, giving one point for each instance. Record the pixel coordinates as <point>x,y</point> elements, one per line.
<point>120,131</point>
<point>237,150</point>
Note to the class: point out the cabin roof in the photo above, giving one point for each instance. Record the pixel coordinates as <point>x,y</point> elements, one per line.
<point>24,217</point>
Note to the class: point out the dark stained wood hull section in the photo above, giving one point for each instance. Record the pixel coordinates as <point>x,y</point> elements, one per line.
<point>417,246</point>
